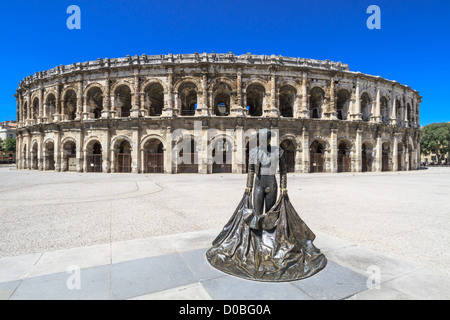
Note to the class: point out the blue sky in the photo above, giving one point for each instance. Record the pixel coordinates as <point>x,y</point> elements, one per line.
<point>412,46</point>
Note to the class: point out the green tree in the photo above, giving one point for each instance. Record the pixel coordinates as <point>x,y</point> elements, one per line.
<point>436,139</point>
<point>2,145</point>
<point>10,144</point>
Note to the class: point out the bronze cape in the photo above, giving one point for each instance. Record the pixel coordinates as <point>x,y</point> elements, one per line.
<point>281,251</point>
<point>272,246</point>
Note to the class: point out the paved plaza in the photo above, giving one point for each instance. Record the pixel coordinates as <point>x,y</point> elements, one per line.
<point>385,235</point>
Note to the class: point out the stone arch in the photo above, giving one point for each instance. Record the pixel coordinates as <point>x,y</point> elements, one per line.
<point>367,154</point>
<point>287,94</point>
<point>93,152</point>
<point>69,154</point>
<point>366,105</point>
<point>345,154</point>
<point>34,107</point>
<point>261,82</point>
<point>122,149</point>
<point>153,149</point>
<point>187,96</point>
<point>384,109</point>
<point>154,98</point>
<point>49,154</point>
<point>386,155</point>
<point>255,95</point>
<point>291,146</point>
<point>50,103</point>
<point>123,93</point>
<point>122,82</point>
<point>318,154</point>
<point>185,154</point>
<point>34,151</point>
<point>69,100</point>
<point>221,153</point>
<point>120,138</point>
<point>221,98</point>
<point>343,98</point>
<point>316,102</point>
<point>216,81</point>
<point>180,82</point>
<point>94,100</point>
<point>151,81</point>
<point>90,86</point>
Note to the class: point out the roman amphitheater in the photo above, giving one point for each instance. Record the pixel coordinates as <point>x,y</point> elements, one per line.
<point>120,115</point>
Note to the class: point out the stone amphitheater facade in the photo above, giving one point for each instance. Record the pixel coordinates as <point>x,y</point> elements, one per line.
<point>120,115</point>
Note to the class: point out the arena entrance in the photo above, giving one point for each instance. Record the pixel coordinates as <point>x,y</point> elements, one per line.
<point>188,158</point>
<point>222,150</point>
<point>154,157</point>
<point>317,158</point>
<point>289,154</point>
<point>123,157</point>
<point>70,156</point>
<point>385,157</point>
<point>366,158</point>
<point>344,159</point>
<point>49,156</point>
<point>94,157</point>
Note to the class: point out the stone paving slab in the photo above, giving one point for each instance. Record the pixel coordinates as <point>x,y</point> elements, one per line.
<point>175,267</point>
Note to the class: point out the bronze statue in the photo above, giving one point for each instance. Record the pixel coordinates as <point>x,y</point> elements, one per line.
<point>266,240</point>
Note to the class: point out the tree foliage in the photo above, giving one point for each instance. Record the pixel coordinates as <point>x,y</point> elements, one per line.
<point>10,144</point>
<point>2,145</point>
<point>436,139</point>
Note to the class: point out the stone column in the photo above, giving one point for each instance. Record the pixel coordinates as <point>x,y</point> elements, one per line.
<point>393,119</point>
<point>333,151</point>
<point>168,150</point>
<point>237,110</point>
<point>331,111</point>
<point>378,154</point>
<point>41,104</point>
<point>358,151</point>
<point>135,161</point>
<point>57,115</point>
<point>168,110</point>
<point>202,103</point>
<point>304,110</point>
<point>271,109</point>
<point>40,155</point>
<point>395,164</point>
<point>82,111</point>
<point>106,98</point>
<point>57,151</point>
<point>135,97</point>
<point>202,147</point>
<point>80,154</point>
<point>306,151</point>
<point>106,152</point>
<point>298,160</point>
<point>357,115</point>
<point>376,114</point>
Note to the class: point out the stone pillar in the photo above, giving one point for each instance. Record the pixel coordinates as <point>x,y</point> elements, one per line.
<point>30,103</point>
<point>333,151</point>
<point>135,161</point>
<point>106,152</point>
<point>113,159</point>
<point>202,102</point>
<point>41,104</point>
<point>358,151</point>
<point>271,109</point>
<point>106,98</point>
<point>202,147</point>
<point>306,152</point>
<point>378,154</point>
<point>136,97</point>
<point>298,160</point>
<point>57,115</point>
<point>81,164</point>
<point>167,150</point>
<point>393,119</point>
<point>376,114</point>
<point>237,110</point>
<point>357,115</point>
<point>82,112</point>
<point>331,111</point>
<point>304,110</point>
<point>395,164</point>
<point>168,110</point>
<point>57,151</point>
<point>40,155</point>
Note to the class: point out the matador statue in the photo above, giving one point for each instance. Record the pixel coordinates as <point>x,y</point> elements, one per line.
<point>265,239</point>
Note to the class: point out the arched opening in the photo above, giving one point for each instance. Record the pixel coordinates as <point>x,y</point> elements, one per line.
<point>316,102</point>
<point>255,99</point>
<point>94,157</point>
<point>399,112</point>
<point>123,156</point>
<point>25,111</point>
<point>51,106</point>
<point>384,110</point>
<point>187,94</point>
<point>366,157</point>
<point>154,99</point>
<point>286,101</point>
<point>70,156</point>
<point>289,154</point>
<point>122,99</point>
<point>49,156</point>
<point>409,113</point>
<point>70,105</point>
<point>386,150</point>
<point>222,100</point>
<point>400,157</point>
<point>222,156</point>
<point>34,156</point>
<point>187,156</point>
<point>342,104</point>
<point>154,156</point>
<point>344,158</point>
<point>317,151</point>
<point>35,109</point>
<point>366,107</point>
<point>95,102</point>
